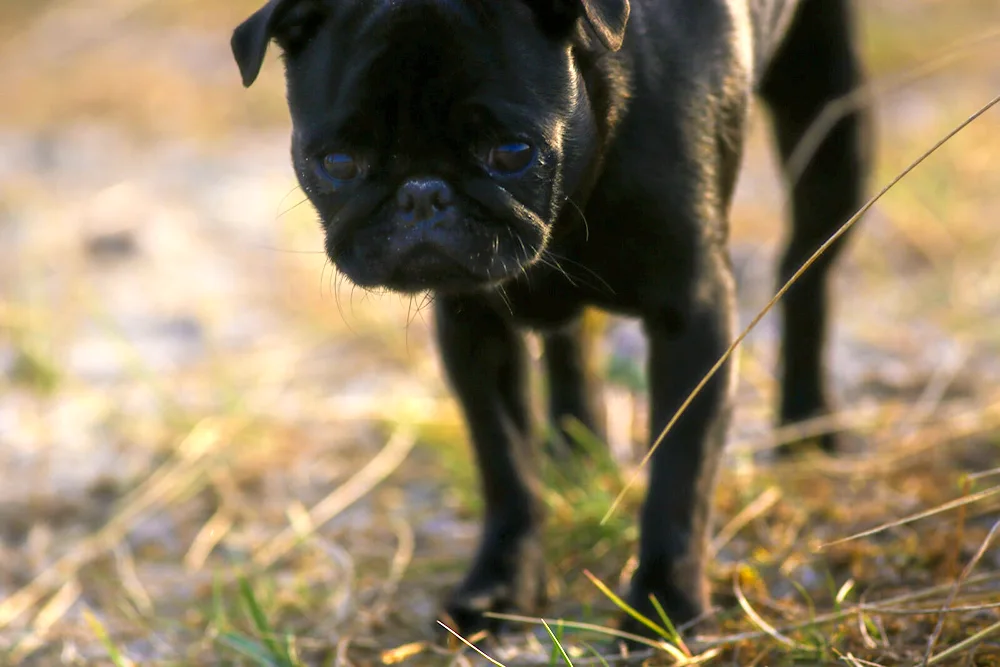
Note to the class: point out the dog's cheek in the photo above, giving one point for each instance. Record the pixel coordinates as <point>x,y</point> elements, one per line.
<point>323,201</point>
<point>544,188</point>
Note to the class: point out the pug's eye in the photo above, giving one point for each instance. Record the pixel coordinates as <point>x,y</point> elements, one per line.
<point>342,167</point>
<point>510,158</point>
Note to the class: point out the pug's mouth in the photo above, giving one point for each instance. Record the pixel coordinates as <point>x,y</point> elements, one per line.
<point>427,267</point>
<point>432,258</point>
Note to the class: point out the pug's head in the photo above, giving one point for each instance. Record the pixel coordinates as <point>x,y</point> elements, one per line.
<point>437,139</point>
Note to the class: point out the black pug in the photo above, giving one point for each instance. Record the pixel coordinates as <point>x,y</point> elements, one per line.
<point>524,159</point>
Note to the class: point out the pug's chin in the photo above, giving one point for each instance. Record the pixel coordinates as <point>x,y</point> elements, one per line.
<point>430,272</point>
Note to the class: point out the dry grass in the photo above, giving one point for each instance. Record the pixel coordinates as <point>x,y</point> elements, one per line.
<point>214,453</point>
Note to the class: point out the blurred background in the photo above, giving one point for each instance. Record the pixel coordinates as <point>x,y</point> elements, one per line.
<point>213,451</point>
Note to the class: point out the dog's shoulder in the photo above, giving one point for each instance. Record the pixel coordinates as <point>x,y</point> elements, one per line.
<point>769,21</point>
<point>697,32</point>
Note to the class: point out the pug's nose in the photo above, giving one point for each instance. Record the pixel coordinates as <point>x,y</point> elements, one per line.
<point>424,200</point>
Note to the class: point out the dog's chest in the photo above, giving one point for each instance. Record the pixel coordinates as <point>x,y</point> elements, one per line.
<point>555,291</point>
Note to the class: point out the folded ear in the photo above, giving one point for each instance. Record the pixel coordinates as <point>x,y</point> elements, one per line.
<point>608,19</point>
<point>249,41</point>
<point>291,23</point>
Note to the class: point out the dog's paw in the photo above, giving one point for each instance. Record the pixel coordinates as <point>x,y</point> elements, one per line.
<point>519,589</point>
<point>465,611</point>
<point>832,443</point>
<point>680,606</point>
<point>827,443</point>
<point>837,443</point>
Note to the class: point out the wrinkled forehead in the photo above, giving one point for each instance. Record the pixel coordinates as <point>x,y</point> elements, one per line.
<point>419,37</point>
<point>447,48</point>
<point>433,27</point>
<point>396,44</point>
<point>417,66</point>
<point>500,33</point>
<point>380,17</point>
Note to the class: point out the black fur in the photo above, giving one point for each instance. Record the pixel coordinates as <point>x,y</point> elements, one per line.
<point>637,113</point>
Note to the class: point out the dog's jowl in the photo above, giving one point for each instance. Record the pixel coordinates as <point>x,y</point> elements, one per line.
<point>524,159</point>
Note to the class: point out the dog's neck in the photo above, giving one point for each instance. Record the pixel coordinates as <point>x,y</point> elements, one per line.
<point>606,85</point>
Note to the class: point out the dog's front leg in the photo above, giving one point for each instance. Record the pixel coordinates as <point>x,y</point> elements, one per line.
<point>485,361</point>
<point>676,513</point>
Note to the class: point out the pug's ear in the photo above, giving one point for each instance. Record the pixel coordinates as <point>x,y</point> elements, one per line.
<point>289,22</point>
<point>250,39</point>
<point>608,19</point>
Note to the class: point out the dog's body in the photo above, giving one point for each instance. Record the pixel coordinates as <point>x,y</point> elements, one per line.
<point>524,159</point>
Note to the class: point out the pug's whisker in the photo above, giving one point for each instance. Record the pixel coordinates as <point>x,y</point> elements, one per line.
<point>583,218</point>
<point>290,209</point>
<point>428,300</point>
<point>504,297</point>
<point>282,201</point>
<point>410,317</point>
<point>350,300</point>
<point>414,309</point>
<point>339,279</point>
<point>421,307</point>
<point>525,255</point>
<point>603,284</point>
<point>283,251</point>
<point>523,261</point>
<point>549,260</point>
<point>322,276</point>
<point>502,292</point>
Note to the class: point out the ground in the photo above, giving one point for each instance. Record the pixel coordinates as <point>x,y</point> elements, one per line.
<point>216,452</point>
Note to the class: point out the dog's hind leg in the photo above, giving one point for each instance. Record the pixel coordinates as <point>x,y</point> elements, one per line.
<point>815,65</point>
<point>484,359</point>
<point>569,383</point>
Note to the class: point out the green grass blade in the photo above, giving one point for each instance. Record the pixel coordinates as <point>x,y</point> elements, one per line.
<point>102,635</point>
<point>557,644</point>
<point>624,606</point>
<point>259,619</point>
<point>249,649</point>
<point>675,636</point>
<point>591,444</point>
<point>597,654</point>
<point>806,597</point>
